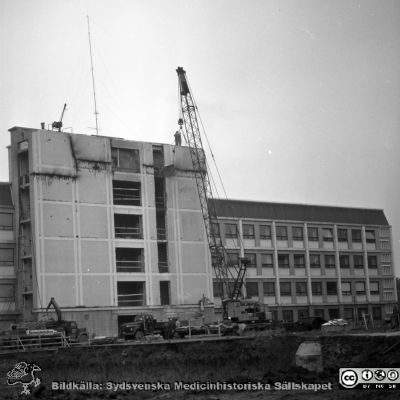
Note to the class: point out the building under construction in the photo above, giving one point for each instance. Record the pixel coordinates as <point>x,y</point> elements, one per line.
<point>111,227</point>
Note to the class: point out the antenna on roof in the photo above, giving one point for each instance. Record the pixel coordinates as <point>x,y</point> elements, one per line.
<point>94,90</point>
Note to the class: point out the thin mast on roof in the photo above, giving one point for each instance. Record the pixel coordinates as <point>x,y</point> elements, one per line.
<point>94,90</point>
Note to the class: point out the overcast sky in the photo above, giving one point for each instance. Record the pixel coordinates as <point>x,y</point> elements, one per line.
<point>300,99</point>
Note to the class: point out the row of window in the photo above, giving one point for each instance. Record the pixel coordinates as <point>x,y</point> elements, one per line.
<point>349,313</point>
<point>316,288</point>
<point>299,260</point>
<point>133,294</point>
<point>297,233</point>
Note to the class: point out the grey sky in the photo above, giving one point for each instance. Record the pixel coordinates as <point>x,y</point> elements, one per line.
<point>300,99</point>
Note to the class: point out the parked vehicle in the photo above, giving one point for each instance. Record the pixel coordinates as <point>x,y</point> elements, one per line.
<point>304,324</point>
<point>144,325</point>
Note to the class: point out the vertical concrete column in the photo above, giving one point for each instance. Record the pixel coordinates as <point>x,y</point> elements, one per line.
<point>365,256</point>
<point>337,261</point>
<point>308,268</point>
<point>276,267</point>
<point>241,253</point>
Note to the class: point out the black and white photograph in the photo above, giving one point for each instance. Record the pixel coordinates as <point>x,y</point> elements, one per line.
<point>199,199</point>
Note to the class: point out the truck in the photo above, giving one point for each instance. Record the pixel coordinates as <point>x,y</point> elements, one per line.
<point>144,325</point>
<point>45,333</point>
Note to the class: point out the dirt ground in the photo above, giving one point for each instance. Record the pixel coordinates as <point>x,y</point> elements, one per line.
<point>266,358</point>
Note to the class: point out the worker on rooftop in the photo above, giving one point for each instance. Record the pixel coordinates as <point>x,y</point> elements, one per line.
<point>178,138</point>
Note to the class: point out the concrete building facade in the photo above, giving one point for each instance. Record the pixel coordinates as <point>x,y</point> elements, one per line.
<point>8,271</point>
<point>111,228</point>
<point>107,227</point>
<point>312,260</point>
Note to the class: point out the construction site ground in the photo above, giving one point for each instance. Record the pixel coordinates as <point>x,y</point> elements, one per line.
<point>267,357</point>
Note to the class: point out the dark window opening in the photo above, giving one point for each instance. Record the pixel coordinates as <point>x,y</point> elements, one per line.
<point>302,313</point>
<point>129,259</point>
<point>319,312</point>
<point>331,288</point>
<point>6,257</point>
<point>217,289</point>
<point>165,293</point>
<point>358,261</point>
<point>283,260</point>
<point>299,261</point>
<point>313,234</point>
<point>265,232</point>
<point>126,159</point>
<point>330,261</point>
<point>269,288</point>
<point>248,231</point>
<point>287,315</point>
<point>7,293</point>
<point>231,231</point>
<point>158,158</point>
<point>316,288</point>
<point>131,294</point>
<point>162,258</point>
<point>160,225</point>
<point>285,288</point>
<point>346,288</point>
<point>344,261</point>
<point>342,235</point>
<point>159,191</point>
<point>301,288</point>
<point>327,234</point>
<point>251,257</point>
<point>315,261</point>
<point>128,226</point>
<point>126,193</point>
<point>281,233</point>
<point>267,261</point>
<point>333,313</point>
<point>376,313</point>
<point>297,232</point>
<point>252,289</point>
<point>372,262</point>
<point>6,222</point>
<point>232,258</point>
<point>356,235</point>
<point>370,236</point>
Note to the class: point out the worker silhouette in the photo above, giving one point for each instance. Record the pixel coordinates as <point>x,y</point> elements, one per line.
<point>178,138</point>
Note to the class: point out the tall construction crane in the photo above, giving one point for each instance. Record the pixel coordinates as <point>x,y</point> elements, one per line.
<point>230,276</point>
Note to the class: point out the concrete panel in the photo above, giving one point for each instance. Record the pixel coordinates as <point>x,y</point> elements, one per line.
<point>266,243</point>
<point>93,222</point>
<point>55,188</point>
<point>92,187</point>
<point>182,158</point>
<point>194,287</point>
<point>53,154</point>
<point>57,220</point>
<point>188,196</point>
<point>191,226</point>
<point>96,290</point>
<point>59,256</point>
<point>193,258</point>
<point>91,148</point>
<point>62,288</point>
<point>94,257</point>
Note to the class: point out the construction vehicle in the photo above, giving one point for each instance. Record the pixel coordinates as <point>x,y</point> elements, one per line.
<point>72,332</point>
<point>229,276</point>
<point>44,333</point>
<point>144,325</point>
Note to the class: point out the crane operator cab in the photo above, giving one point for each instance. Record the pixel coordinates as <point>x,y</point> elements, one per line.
<point>246,311</point>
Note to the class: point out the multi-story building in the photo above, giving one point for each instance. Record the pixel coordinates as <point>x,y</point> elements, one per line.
<point>8,309</point>
<point>107,227</point>
<point>110,228</point>
<point>311,260</point>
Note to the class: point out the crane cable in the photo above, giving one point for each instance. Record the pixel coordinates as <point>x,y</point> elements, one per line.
<point>213,158</point>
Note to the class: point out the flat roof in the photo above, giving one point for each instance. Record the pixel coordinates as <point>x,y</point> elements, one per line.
<point>5,194</point>
<point>298,212</point>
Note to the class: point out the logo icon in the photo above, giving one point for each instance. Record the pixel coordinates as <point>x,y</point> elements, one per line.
<point>348,378</point>
<point>367,375</point>
<point>380,374</point>
<point>392,374</point>
<point>24,374</point>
